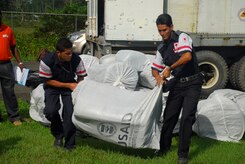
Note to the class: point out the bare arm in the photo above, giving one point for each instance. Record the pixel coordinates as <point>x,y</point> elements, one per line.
<point>158,77</point>
<point>58,84</point>
<point>185,58</point>
<point>15,53</point>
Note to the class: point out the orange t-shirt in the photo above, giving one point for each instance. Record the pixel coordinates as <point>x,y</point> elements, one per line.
<point>6,41</point>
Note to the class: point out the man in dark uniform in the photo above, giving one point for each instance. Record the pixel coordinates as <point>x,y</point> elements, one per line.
<point>176,56</point>
<point>58,69</point>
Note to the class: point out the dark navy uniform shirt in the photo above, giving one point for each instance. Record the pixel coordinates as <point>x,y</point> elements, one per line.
<point>52,68</point>
<point>169,52</point>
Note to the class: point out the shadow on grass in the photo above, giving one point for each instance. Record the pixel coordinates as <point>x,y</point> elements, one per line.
<point>200,145</point>
<point>106,146</point>
<point>8,144</point>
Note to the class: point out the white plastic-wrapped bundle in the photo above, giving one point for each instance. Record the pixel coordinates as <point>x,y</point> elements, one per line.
<point>151,57</point>
<point>116,74</point>
<point>146,78</point>
<point>89,60</point>
<point>124,117</point>
<point>97,72</point>
<point>37,105</point>
<point>236,96</point>
<point>107,59</point>
<point>135,59</point>
<point>122,75</point>
<point>220,118</point>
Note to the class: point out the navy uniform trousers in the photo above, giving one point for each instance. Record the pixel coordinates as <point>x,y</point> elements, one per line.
<point>184,95</point>
<point>60,128</point>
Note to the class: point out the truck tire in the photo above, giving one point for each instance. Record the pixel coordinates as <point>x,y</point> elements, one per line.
<point>215,70</point>
<point>233,75</point>
<point>86,51</point>
<point>241,74</point>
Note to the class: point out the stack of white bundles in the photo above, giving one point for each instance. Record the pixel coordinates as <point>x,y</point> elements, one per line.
<point>124,117</point>
<point>116,74</point>
<point>107,59</point>
<point>219,117</point>
<point>89,60</point>
<point>135,59</point>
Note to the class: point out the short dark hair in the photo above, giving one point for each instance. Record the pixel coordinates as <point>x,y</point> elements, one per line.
<point>164,19</point>
<point>62,44</point>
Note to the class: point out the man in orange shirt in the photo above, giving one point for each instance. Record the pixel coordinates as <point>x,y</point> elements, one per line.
<point>7,78</point>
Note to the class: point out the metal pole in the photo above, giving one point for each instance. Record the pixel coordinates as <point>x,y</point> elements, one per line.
<point>165,6</point>
<point>12,21</point>
<point>75,23</point>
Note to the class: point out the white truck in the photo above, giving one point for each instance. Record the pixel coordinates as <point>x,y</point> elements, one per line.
<point>217,28</point>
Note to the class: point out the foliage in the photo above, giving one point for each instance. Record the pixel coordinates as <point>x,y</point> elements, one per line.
<point>36,5</point>
<point>34,34</point>
<point>61,25</point>
<point>30,45</point>
<point>4,5</point>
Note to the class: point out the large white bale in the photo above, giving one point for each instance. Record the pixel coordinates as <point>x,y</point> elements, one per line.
<point>236,96</point>
<point>220,118</point>
<point>124,117</point>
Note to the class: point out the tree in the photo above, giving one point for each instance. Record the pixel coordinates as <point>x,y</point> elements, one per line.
<point>62,25</point>
<point>5,5</point>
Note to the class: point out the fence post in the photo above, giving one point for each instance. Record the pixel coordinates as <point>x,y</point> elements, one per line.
<point>75,23</point>
<point>12,20</point>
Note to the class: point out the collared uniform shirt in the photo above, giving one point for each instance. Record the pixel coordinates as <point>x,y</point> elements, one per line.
<point>7,40</point>
<point>51,68</point>
<point>169,52</point>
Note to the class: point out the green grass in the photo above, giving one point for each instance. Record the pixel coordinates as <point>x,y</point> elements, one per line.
<point>32,143</point>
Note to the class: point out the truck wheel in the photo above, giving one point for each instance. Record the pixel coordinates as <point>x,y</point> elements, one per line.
<point>241,74</point>
<point>233,75</point>
<point>215,70</point>
<point>86,51</point>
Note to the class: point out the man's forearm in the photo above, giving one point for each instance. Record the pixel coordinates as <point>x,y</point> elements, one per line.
<point>58,84</point>
<point>16,54</point>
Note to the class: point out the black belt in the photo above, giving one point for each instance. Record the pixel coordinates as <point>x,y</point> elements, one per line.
<point>189,78</point>
<point>4,61</point>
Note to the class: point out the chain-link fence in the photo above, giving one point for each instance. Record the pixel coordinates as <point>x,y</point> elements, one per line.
<point>32,20</point>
